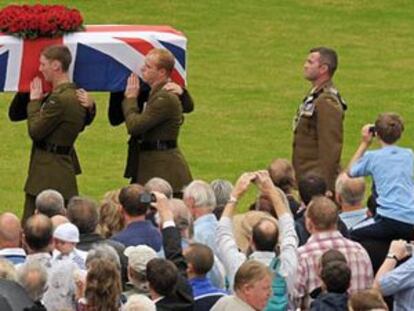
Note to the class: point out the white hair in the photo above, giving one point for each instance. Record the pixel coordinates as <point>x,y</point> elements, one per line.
<point>33,277</point>
<point>139,303</point>
<point>202,194</point>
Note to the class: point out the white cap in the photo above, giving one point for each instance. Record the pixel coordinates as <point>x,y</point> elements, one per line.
<point>139,256</point>
<point>67,232</point>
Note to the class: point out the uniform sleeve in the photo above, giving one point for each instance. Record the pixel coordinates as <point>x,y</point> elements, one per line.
<point>42,119</point>
<point>186,102</point>
<point>329,131</point>
<point>18,107</point>
<point>157,112</point>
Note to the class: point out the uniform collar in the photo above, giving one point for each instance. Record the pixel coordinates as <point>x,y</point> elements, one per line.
<point>157,88</point>
<point>64,86</point>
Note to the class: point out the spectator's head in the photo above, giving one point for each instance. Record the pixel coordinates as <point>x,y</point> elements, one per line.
<point>367,300</point>
<point>50,203</point>
<point>111,219</point>
<point>265,235</point>
<point>309,186</point>
<point>243,227</point>
<point>321,64</point>
<point>103,251</point>
<point>182,216</point>
<point>253,284</point>
<point>54,59</point>
<point>10,231</point>
<point>222,190</point>
<point>200,198</point>
<point>332,255</point>
<point>65,238</point>
<point>37,234</point>
<point>389,127</point>
<point>162,276</point>
<point>264,204</point>
<point>321,215</point>
<point>58,220</point>
<point>159,64</point>
<point>138,258</point>
<point>282,174</point>
<point>33,277</point>
<point>129,198</point>
<point>200,260</point>
<point>159,185</point>
<point>336,276</point>
<point>83,213</point>
<point>103,285</point>
<point>7,270</point>
<point>349,192</point>
<point>139,303</point>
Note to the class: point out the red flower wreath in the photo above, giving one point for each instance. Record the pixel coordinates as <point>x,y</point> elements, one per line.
<point>31,22</point>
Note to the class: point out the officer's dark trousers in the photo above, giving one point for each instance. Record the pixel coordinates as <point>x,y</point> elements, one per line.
<point>29,207</point>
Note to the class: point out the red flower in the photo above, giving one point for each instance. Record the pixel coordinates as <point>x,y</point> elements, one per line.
<point>32,21</point>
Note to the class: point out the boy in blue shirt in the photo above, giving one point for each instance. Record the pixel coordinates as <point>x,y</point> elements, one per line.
<point>391,168</point>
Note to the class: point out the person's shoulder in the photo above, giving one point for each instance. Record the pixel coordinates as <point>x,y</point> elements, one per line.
<point>329,94</point>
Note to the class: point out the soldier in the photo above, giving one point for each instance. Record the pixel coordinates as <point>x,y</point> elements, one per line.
<point>54,122</point>
<point>157,125</point>
<point>318,125</point>
<point>116,117</point>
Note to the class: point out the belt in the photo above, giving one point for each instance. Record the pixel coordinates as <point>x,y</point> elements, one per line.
<point>158,145</point>
<point>53,148</point>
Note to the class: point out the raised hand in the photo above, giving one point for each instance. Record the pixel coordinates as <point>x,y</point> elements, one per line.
<point>36,90</point>
<point>132,88</point>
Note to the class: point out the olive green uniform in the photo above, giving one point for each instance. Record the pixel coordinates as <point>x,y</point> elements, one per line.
<point>318,134</point>
<point>53,125</point>
<point>159,122</point>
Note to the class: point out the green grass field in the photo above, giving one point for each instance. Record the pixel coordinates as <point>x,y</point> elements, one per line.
<point>245,63</point>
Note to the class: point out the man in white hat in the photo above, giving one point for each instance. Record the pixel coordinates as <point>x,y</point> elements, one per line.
<point>65,238</point>
<point>138,257</point>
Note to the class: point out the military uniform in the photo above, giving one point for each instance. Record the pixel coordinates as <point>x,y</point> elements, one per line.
<point>318,134</point>
<point>158,127</point>
<point>116,117</point>
<point>53,125</point>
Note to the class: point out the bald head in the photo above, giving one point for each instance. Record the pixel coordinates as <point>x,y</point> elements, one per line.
<point>38,231</point>
<point>10,230</point>
<point>265,235</point>
<point>349,191</point>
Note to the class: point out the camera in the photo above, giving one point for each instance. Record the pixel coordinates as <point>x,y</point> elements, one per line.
<point>372,130</point>
<point>147,198</point>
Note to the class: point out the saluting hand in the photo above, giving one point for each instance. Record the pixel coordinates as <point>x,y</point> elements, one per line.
<point>86,100</point>
<point>132,87</point>
<point>36,90</point>
<point>173,88</point>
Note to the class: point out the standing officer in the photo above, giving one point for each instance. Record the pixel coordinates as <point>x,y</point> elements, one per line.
<point>318,125</point>
<point>158,124</point>
<point>54,122</point>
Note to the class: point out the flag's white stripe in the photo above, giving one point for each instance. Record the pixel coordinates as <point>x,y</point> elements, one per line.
<point>15,47</point>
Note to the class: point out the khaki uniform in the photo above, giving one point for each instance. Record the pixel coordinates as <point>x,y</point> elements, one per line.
<point>54,125</point>
<point>160,121</point>
<point>318,134</point>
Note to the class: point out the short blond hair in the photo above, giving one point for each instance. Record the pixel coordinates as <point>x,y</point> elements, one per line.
<point>250,272</point>
<point>165,59</point>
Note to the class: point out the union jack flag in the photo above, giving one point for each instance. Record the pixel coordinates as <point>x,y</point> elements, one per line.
<point>103,56</point>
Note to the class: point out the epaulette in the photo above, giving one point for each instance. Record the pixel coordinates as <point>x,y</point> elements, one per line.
<point>335,92</point>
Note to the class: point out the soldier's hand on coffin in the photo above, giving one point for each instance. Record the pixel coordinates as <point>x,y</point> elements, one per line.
<point>86,100</point>
<point>173,88</point>
<point>132,87</point>
<point>36,90</point>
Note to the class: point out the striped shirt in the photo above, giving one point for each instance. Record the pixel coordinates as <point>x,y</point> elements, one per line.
<point>307,278</point>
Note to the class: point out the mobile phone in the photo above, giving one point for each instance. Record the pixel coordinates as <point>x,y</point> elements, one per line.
<point>409,247</point>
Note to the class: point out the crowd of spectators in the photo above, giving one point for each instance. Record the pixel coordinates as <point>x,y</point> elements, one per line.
<point>142,249</point>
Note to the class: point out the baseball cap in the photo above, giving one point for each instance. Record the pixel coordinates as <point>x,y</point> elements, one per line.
<point>139,256</point>
<point>67,232</point>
